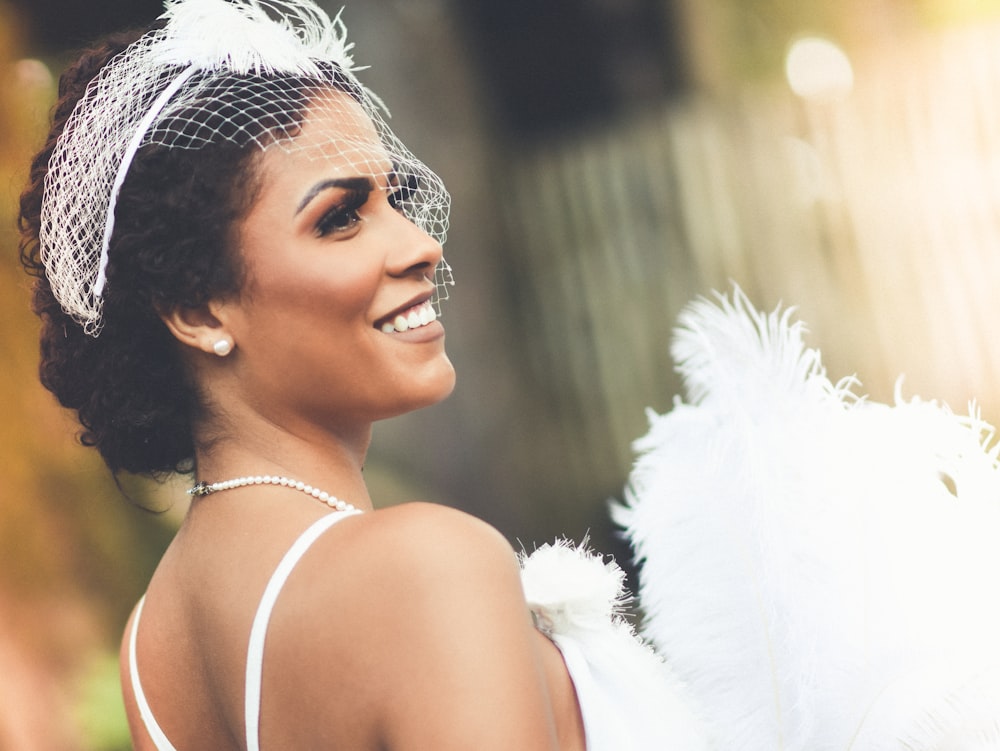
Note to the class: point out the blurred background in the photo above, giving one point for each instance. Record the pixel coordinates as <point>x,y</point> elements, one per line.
<point>610,160</point>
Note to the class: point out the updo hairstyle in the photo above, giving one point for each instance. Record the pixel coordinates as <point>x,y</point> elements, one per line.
<point>174,245</point>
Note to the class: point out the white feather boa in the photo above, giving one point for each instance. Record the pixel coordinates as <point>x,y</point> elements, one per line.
<point>818,569</point>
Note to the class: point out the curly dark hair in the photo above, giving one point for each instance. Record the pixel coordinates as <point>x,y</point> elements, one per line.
<point>174,245</point>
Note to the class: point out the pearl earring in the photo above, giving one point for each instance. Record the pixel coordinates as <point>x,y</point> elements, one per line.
<point>222,347</point>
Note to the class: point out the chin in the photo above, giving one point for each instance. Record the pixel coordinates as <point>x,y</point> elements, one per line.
<point>445,385</point>
<point>433,390</point>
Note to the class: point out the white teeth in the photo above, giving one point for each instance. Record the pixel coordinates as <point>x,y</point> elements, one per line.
<point>415,318</point>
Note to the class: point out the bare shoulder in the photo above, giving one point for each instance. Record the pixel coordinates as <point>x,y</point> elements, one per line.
<point>418,559</point>
<point>430,536</point>
<point>432,643</point>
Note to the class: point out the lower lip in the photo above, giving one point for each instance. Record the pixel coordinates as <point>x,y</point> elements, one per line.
<point>429,333</point>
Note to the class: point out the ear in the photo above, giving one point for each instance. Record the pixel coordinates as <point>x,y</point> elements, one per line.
<point>201,328</point>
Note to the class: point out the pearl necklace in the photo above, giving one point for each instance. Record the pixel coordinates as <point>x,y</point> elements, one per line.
<point>204,488</point>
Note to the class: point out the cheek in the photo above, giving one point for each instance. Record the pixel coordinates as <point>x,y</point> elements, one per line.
<point>335,291</point>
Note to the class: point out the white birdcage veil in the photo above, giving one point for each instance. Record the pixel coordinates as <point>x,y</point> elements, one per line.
<point>236,71</point>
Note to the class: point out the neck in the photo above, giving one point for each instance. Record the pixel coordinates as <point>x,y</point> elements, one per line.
<point>323,459</point>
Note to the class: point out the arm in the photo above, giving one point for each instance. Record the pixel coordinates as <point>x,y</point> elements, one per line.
<point>426,623</point>
<point>474,677</point>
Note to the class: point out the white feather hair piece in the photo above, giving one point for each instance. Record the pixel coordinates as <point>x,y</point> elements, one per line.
<point>253,41</point>
<point>818,569</point>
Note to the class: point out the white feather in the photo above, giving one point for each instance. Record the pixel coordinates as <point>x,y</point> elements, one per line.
<point>629,698</point>
<point>245,37</point>
<point>571,590</point>
<point>819,569</point>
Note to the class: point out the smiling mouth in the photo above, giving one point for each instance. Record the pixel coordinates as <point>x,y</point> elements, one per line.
<point>414,318</point>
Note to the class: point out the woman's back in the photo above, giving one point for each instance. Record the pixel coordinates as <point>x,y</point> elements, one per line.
<point>403,628</point>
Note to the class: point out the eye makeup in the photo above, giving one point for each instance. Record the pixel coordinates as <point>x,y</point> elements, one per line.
<point>352,184</point>
<point>343,216</point>
<point>402,188</point>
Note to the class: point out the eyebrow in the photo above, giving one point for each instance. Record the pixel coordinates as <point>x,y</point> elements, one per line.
<point>359,184</point>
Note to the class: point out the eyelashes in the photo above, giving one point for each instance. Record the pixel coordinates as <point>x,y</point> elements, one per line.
<point>403,187</point>
<point>344,217</point>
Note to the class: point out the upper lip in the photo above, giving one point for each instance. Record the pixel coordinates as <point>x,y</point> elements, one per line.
<point>418,300</point>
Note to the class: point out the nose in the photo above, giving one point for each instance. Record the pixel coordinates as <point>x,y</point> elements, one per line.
<point>414,252</point>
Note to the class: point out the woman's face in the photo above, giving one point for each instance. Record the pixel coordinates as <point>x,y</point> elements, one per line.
<point>334,324</point>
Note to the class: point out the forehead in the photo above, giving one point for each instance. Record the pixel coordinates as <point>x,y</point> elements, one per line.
<point>337,135</point>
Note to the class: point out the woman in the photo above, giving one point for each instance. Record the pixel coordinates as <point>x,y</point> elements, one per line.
<point>236,267</point>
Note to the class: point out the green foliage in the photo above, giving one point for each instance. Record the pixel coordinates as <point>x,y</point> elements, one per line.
<point>99,710</point>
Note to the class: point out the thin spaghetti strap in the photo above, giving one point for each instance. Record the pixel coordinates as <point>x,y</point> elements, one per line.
<point>255,650</point>
<point>152,726</point>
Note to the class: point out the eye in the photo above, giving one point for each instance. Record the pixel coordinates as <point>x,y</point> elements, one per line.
<point>402,188</point>
<point>343,217</point>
